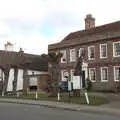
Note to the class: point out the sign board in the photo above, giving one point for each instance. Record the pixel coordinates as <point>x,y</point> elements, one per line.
<point>33,81</point>
<point>77,82</point>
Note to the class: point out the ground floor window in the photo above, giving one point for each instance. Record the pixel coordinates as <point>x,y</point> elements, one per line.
<point>64,75</point>
<point>104,73</point>
<point>92,74</point>
<point>117,73</point>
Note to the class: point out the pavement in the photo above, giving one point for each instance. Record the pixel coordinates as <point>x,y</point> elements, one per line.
<point>113,107</point>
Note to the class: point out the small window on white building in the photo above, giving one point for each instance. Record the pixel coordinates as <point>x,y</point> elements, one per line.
<point>92,74</point>
<point>91,52</point>
<point>64,75</point>
<point>63,58</point>
<point>117,73</point>
<point>103,50</point>
<point>104,74</point>
<point>116,49</point>
<point>72,55</point>
<point>81,51</point>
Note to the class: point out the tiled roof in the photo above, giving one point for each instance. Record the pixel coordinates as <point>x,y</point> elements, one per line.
<point>103,32</point>
<point>34,62</point>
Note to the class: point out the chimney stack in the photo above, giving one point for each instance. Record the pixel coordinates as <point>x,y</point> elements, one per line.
<point>89,22</point>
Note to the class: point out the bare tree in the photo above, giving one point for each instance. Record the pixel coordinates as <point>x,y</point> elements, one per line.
<point>78,68</point>
<point>54,59</point>
<point>15,79</point>
<point>6,70</point>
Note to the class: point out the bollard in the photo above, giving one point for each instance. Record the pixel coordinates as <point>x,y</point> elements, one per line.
<point>2,94</point>
<point>58,96</point>
<point>36,95</point>
<point>87,99</point>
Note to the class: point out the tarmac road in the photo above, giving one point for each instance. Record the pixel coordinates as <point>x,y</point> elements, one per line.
<point>10,111</point>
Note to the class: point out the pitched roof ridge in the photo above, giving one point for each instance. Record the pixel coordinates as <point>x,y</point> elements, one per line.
<point>97,29</point>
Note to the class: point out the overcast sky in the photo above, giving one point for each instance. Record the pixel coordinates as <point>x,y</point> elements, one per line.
<point>33,24</point>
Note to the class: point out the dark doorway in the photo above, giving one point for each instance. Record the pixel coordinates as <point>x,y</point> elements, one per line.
<point>83,79</point>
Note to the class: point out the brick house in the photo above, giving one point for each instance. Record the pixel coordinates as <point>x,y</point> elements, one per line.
<point>102,59</point>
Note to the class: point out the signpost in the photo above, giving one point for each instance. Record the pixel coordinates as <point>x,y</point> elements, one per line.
<point>77,82</point>
<point>77,85</point>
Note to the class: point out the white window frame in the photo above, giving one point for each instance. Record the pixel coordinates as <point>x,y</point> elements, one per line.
<point>72,59</point>
<point>115,74</point>
<point>62,75</point>
<point>80,50</point>
<point>89,52</point>
<point>71,74</point>
<point>63,52</point>
<point>114,49</point>
<point>102,74</point>
<point>101,50</point>
<point>90,74</point>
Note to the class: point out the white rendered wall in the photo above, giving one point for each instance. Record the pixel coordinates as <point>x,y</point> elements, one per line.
<point>10,80</point>
<point>20,80</point>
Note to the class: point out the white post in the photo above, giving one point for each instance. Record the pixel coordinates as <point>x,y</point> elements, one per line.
<point>87,99</point>
<point>36,95</point>
<point>2,94</point>
<point>58,96</point>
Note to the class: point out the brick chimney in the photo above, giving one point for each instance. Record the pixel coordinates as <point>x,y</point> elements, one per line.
<point>89,22</point>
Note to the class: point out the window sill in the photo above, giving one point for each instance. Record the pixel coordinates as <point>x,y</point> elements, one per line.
<point>103,57</point>
<point>92,81</point>
<point>116,56</point>
<point>104,80</point>
<point>91,58</point>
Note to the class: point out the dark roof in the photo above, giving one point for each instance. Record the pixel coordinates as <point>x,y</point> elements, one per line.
<point>103,32</point>
<point>22,60</point>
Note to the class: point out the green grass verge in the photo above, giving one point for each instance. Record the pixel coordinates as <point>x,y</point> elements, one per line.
<point>64,97</point>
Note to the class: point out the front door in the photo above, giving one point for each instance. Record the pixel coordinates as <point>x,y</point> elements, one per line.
<point>83,79</point>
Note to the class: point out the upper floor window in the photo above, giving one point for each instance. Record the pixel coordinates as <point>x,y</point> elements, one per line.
<point>63,58</point>
<point>81,51</point>
<point>103,50</point>
<point>117,73</point>
<point>91,52</point>
<point>72,55</point>
<point>92,74</point>
<point>116,49</point>
<point>104,73</point>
